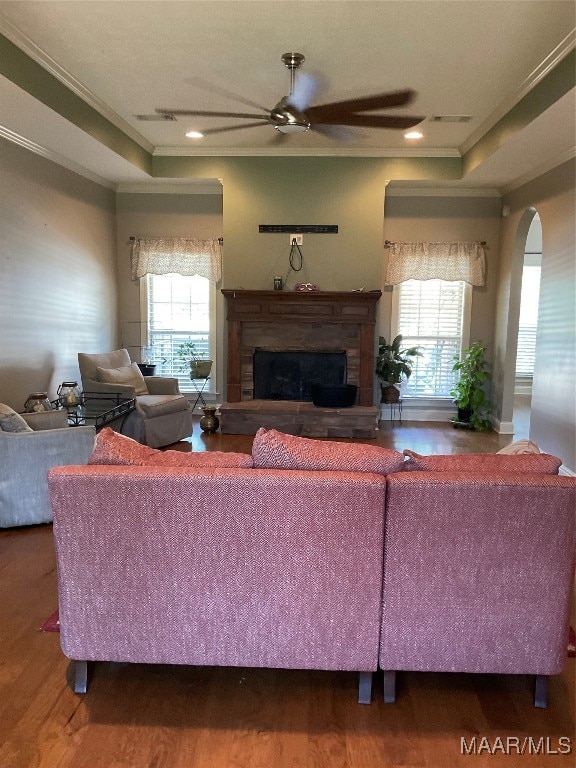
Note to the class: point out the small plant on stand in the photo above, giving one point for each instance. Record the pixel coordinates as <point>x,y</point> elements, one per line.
<point>393,365</point>
<point>469,391</point>
<point>187,358</point>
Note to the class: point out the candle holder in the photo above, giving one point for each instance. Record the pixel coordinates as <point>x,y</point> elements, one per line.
<point>37,402</point>
<point>69,395</point>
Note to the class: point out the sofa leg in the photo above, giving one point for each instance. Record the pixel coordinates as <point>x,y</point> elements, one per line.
<point>80,676</point>
<point>389,686</point>
<point>365,688</point>
<point>541,691</point>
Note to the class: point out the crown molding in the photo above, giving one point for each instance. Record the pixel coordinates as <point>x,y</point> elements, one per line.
<point>303,152</point>
<point>48,154</point>
<point>191,187</point>
<point>36,53</point>
<point>543,69</point>
<point>392,191</point>
<point>534,173</point>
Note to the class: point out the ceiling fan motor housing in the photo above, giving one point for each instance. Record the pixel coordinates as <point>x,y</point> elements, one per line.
<point>287,119</point>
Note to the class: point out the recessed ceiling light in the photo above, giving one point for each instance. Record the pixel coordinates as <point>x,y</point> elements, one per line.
<point>413,135</point>
<point>195,135</point>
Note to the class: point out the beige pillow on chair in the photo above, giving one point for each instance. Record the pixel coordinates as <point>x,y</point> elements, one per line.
<point>126,374</point>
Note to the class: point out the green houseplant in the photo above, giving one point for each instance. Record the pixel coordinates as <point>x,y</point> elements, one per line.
<point>187,357</point>
<point>393,365</point>
<point>469,391</point>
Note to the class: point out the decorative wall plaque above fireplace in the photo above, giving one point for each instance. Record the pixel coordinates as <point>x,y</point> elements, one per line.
<point>290,320</point>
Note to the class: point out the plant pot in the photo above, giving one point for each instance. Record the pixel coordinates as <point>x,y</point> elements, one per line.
<point>389,393</point>
<point>200,369</point>
<point>464,415</point>
<point>147,369</point>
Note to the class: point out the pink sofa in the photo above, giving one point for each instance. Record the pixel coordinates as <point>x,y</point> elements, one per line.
<point>224,566</point>
<point>464,563</point>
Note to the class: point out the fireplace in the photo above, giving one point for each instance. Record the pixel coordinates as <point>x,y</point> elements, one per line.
<point>335,323</point>
<point>282,374</point>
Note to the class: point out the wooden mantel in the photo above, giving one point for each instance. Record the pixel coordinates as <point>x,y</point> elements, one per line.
<point>350,308</point>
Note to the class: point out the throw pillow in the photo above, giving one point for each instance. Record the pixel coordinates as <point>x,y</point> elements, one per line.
<point>539,463</point>
<point>10,421</point>
<point>520,446</point>
<point>276,450</point>
<point>112,448</point>
<point>126,374</point>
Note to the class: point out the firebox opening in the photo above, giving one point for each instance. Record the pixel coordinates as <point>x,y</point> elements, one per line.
<point>281,374</point>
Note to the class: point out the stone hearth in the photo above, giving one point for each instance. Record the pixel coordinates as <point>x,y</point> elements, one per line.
<point>298,418</point>
<point>339,321</point>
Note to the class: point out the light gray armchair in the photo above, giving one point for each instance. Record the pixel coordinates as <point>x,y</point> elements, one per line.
<point>26,457</point>
<point>162,416</point>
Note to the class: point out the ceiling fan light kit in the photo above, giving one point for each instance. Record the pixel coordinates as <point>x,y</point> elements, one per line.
<point>293,113</point>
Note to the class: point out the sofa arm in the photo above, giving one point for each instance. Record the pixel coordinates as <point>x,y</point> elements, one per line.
<point>162,385</point>
<point>56,419</point>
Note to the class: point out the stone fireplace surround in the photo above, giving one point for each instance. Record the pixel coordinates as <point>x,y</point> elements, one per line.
<point>293,320</point>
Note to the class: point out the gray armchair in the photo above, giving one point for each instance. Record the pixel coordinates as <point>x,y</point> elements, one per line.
<point>162,416</point>
<point>26,457</point>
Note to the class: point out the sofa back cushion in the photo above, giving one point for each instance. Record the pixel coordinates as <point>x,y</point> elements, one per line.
<point>539,463</point>
<point>88,363</point>
<point>275,450</point>
<point>113,448</point>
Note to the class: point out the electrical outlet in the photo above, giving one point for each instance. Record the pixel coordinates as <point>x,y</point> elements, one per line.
<point>299,239</point>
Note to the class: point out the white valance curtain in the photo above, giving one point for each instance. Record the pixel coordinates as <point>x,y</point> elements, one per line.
<point>436,261</point>
<point>184,256</point>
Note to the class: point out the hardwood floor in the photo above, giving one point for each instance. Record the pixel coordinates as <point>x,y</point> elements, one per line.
<point>144,716</point>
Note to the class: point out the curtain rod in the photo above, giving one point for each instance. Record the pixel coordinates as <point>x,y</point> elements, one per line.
<point>220,239</point>
<point>388,243</point>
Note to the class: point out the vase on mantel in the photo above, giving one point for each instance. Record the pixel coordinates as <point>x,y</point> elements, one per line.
<point>209,422</point>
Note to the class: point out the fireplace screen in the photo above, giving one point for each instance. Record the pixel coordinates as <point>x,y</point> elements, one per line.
<point>289,374</point>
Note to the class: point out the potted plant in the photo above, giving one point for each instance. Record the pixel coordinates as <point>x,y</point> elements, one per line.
<point>393,365</point>
<point>187,356</point>
<point>469,391</point>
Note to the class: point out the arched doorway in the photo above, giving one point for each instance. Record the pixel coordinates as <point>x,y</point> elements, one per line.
<point>529,293</point>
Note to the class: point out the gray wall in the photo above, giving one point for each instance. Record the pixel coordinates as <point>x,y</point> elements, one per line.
<point>57,273</point>
<point>553,416</point>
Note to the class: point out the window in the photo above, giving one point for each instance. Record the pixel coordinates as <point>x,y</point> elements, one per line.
<point>528,325</point>
<point>435,316</point>
<point>180,309</point>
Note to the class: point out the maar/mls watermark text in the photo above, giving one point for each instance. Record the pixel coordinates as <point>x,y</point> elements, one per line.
<point>516,745</point>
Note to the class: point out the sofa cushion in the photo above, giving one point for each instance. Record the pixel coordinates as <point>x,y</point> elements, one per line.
<point>210,459</point>
<point>539,463</point>
<point>159,405</point>
<point>275,450</point>
<point>125,374</point>
<point>10,421</point>
<point>520,446</point>
<point>113,448</point>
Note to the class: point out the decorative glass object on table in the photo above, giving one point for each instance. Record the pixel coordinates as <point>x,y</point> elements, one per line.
<point>37,402</point>
<point>69,395</point>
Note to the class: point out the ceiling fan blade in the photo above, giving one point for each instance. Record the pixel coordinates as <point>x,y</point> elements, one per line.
<point>211,88</point>
<point>225,129</point>
<point>203,113</point>
<point>372,121</point>
<point>365,104</point>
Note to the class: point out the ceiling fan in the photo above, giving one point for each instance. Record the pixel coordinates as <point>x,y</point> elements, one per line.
<point>292,114</point>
